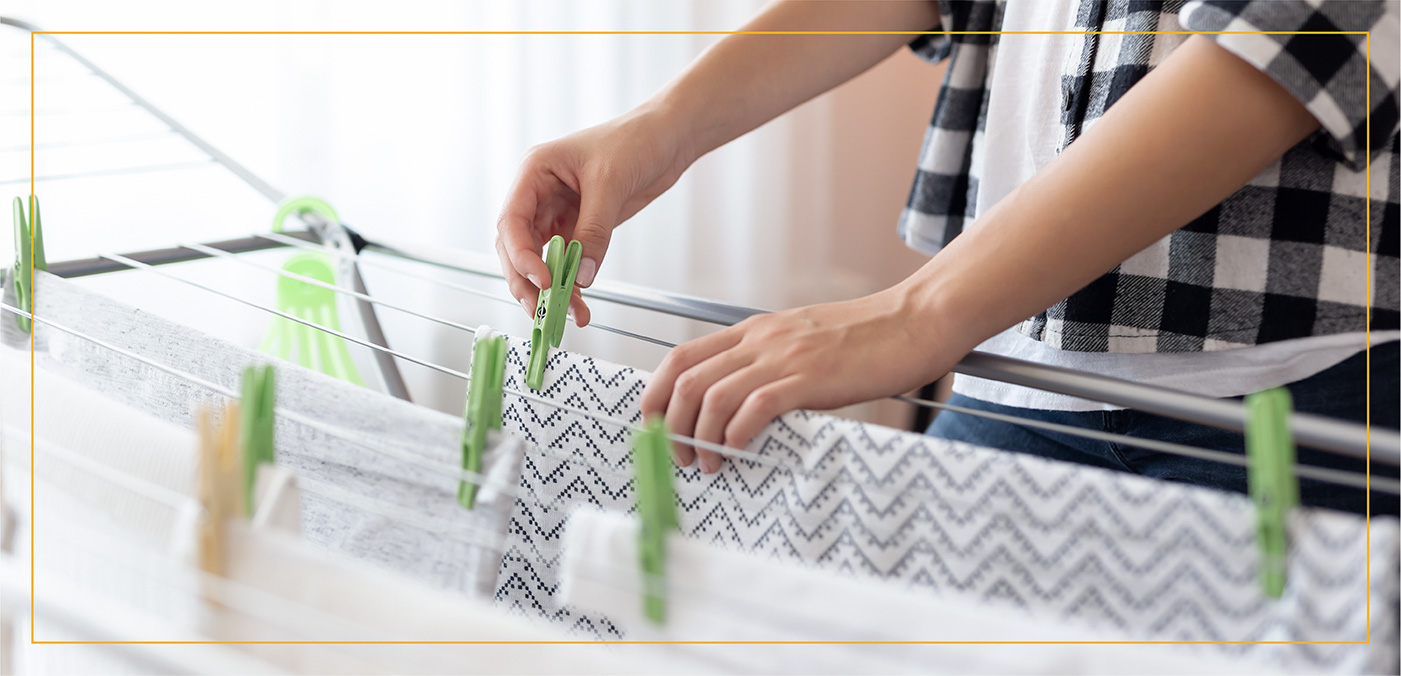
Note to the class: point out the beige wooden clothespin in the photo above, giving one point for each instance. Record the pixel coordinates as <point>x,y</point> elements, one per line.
<point>276,497</point>
<point>219,485</point>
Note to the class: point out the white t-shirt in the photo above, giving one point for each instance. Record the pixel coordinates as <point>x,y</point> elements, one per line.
<point>1022,129</point>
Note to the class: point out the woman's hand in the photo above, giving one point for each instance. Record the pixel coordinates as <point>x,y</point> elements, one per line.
<point>581,187</point>
<point>585,184</point>
<point>726,387</point>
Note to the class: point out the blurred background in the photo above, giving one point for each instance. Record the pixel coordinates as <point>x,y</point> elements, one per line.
<point>415,140</point>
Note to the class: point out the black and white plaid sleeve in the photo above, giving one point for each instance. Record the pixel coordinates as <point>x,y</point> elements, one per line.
<point>1329,74</point>
<point>941,198</point>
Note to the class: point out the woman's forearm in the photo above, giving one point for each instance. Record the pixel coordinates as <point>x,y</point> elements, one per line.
<point>1156,160</point>
<point>746,80</point>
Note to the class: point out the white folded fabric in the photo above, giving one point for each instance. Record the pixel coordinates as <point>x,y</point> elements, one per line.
<point>719,595</point>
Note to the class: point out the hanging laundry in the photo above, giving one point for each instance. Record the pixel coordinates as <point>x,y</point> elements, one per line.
<point>363,459</point>
<point>1058,541</point>
<point>1054,541</point>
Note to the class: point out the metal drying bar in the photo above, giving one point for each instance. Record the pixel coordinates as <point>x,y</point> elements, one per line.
<point>1341,437</point>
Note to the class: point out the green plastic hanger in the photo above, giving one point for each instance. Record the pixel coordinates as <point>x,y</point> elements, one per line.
<point>256,427</point>
<point>484,394</point>
<point>656,509</point>
<point>302,344</point>
<point>297,342</point>
<point>27,261</point>
<point>300,205</point>
<point>1274,487</point>
<point>553,307</point>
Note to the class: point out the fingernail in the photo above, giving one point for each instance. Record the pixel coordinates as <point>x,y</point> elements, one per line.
<point>525,305</point>
<point>587,269</point>
<point>535,280</point>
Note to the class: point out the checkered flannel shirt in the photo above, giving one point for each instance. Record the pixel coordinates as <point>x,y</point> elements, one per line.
<point>1284,257</point>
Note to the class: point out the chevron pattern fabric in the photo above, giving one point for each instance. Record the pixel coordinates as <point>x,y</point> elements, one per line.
<point>1160,561</point>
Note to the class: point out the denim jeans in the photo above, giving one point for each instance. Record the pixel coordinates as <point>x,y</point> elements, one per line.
<point>1337,392</point>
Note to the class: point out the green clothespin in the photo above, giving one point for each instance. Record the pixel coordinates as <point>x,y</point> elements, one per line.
<point>550,311</point>
<point>27,261</point>
<point>256,427</point>
<point>484,393</point>
<point>656,508</point>
<point>1273,485</point>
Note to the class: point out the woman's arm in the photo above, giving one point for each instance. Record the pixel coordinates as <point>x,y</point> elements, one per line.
<point>746,80</point>
<point>1188,135</point>
<point>585,184</point>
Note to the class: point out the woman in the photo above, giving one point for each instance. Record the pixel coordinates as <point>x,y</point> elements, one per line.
<point>1186,211</point>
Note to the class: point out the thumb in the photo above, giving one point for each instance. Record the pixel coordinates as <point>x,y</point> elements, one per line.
<point>598,213</point>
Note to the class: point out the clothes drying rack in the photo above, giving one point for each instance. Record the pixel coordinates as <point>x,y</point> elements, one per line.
<point>349,247</point>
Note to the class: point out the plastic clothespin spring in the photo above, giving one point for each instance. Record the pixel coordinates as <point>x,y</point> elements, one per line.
<point>27,259</point>
<point>484,393</point>
<point>656,509</point>
<point>553,306</point>
<point>256,427</point>
<point>1274,487</point>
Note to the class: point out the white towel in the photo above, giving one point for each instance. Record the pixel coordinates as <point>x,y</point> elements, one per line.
<point>720,595</point>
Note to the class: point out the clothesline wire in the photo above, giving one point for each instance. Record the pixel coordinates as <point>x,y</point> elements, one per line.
<point>384,265</point>
<point>1326,474</point>
<point>718,448</point>
<point>176,500</point>
<point>243,260</point>
<point>1322,474</point>
<point>427,463</point>
<point>445,470</point>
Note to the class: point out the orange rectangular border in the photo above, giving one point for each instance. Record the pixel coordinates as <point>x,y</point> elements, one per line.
<point>1368,329</point>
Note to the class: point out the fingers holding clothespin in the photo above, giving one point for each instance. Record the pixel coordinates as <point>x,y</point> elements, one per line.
<point>1274,486</point>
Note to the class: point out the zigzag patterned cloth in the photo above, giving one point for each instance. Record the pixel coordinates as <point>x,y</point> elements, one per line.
<point>1062,542</point>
